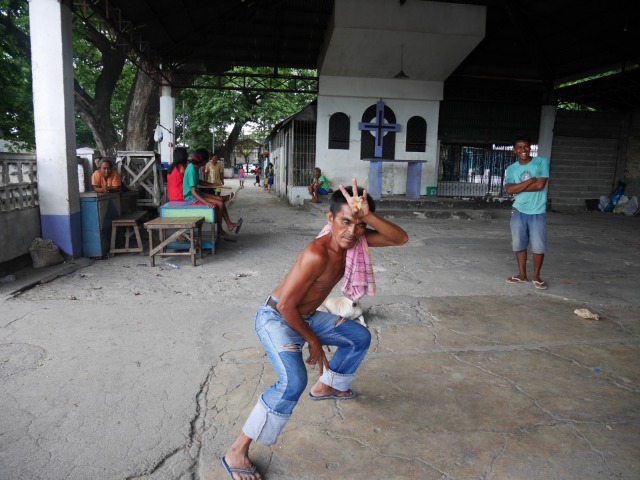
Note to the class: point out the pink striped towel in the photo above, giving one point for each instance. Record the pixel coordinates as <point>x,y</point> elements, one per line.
<point>358,278</point>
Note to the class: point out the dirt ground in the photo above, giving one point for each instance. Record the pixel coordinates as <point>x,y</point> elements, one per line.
<point>118,370</point>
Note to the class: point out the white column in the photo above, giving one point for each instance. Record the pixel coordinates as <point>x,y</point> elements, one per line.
<point>168,122</point>
<point>52,71</point>
<point>545,135</point>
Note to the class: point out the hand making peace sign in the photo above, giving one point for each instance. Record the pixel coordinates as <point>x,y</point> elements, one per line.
<point>359,205</point>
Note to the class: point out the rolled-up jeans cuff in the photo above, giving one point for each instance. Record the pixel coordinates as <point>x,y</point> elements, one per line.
<point>264,425</point>
<point>339,381</point>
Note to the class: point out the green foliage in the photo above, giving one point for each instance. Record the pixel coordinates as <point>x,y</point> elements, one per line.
<point>121,95</point>
<point>87,61</point>
<point>608,73</point>
<point>16,101</point>
<point>84,137</point>
<point>200,109</point>
<point>88,65</point>
<point>247,145</point>
<point>575,107</point>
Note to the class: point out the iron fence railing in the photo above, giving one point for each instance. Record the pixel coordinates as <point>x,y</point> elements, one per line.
<point>468,171</point>
<point>303,152</point>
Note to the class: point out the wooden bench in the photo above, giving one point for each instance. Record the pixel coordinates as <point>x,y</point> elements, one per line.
<point>131,222</point>
<point>184,209</point>
<point>183,226</point>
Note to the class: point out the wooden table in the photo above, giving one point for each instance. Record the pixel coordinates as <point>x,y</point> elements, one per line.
<point>215,187</point>
<point>183,226</point>
<point>184,209</point>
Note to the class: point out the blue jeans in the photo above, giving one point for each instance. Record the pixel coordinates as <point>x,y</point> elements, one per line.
<point>284,350</point>
<point>527,228</point>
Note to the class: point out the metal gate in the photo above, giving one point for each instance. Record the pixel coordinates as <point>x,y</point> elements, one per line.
<point>474,171</point>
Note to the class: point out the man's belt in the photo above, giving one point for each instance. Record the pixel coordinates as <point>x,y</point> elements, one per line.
<point>273,304</point>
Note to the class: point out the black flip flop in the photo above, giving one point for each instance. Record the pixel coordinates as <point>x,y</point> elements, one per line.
<point>239,225</point>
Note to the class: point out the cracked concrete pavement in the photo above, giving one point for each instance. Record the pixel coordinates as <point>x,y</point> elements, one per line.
<point>122,371</point>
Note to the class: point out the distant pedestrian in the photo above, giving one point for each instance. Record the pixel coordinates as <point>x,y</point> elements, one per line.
<point>270,176</point>
<point>527,180</point>
<point>241,176</point>
<point>257,172</point>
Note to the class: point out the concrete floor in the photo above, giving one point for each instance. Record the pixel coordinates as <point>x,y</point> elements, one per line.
<point>118,370</point>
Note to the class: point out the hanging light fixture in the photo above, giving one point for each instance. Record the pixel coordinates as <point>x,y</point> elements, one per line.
<point>401,75</point>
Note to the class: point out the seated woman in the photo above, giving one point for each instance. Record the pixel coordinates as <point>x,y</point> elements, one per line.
<point>106,179</point>
<point>193,196</point>
<point>319,185</point>
<point>175,175</point>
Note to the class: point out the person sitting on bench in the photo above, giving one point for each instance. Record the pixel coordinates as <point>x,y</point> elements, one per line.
<point>319,185</point>
<point>175,174</point>
<point>193,196</point>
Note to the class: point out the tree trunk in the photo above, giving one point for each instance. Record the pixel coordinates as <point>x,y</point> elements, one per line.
<point>96,110</point>
<point>143,107</point>
<point>232,140</point>
<point>98,119</point>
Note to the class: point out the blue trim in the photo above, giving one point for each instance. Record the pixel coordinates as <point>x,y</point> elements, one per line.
<point>414,177</point>
<point>65,231</point>
<point>375,179</point>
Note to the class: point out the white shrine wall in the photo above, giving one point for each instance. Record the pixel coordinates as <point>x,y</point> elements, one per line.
<point>352,96</point>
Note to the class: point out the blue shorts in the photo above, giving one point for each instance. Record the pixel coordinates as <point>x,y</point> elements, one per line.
<point>322,191</point>
<point>527,229</point>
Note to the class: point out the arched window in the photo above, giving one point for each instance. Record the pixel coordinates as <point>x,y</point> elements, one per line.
<point>416,134</point>
<point>368,140</point>
<point>339,131</point>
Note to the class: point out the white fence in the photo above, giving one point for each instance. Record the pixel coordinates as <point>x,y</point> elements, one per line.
<point>18,181</point>
<point>19,212</point>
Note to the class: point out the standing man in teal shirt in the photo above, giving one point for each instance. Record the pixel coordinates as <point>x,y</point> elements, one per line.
<point>527,180</point>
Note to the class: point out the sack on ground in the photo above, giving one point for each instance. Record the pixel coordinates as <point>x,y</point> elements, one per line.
<point>44,253</point>
<point>604,203</point>
<point>621,203</point>
<point>632,207</point>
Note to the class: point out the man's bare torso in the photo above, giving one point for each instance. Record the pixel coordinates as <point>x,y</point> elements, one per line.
<point>325,279</point>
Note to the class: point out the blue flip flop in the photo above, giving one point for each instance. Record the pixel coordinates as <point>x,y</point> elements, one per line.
<point>239,225</point>
<point>334,396</point>
<point>231,471</point>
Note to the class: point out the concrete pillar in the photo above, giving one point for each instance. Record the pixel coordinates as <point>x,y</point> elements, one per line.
<point>168,122</point>
<point>52,71</point>
<point>545,135</point>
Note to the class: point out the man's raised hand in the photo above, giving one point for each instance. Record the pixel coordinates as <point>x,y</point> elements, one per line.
<point>359,205</point>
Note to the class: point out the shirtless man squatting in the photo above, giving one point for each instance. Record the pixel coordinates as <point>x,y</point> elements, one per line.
<point>288,319</point>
